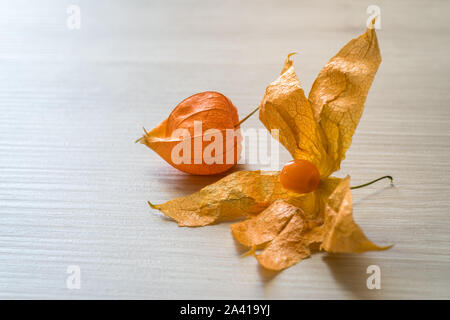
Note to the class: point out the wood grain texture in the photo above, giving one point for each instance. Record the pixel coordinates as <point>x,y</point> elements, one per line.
<point>73,185</point>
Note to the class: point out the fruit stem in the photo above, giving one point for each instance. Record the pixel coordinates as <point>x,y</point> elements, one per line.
<point>373,181</point>
<point>143,137</point>
<point>246,117</point>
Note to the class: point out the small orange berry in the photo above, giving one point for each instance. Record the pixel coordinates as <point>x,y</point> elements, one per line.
<point>300,176</point>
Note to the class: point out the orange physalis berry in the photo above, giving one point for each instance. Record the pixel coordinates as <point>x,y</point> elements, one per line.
<point>300,176</point>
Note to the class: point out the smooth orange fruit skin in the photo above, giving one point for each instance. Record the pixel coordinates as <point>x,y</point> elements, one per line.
<point>300,176</point>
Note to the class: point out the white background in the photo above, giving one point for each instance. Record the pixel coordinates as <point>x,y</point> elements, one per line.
<point>73,185</point>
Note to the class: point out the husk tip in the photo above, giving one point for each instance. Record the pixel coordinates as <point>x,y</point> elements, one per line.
<point>386,247</point>
<point>251,252</point>
<point>153,206</point>
<point>291,54</point>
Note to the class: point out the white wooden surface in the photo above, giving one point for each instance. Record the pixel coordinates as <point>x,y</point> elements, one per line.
<point>73,185</point>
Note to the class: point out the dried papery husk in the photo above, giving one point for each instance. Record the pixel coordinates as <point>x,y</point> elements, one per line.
<point>215,112</point>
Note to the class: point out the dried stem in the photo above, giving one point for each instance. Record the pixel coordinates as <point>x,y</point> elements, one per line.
<point>246,117</point>
<point>373,181</point>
